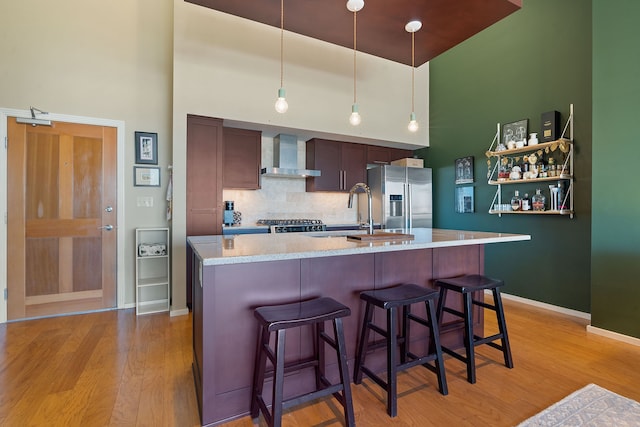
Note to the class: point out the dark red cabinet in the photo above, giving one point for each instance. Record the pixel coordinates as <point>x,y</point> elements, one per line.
<point>342,164</point>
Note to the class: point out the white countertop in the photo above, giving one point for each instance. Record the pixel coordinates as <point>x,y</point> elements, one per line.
<point>235,249</point>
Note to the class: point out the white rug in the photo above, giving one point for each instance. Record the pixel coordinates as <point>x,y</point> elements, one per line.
<point>589,406</point>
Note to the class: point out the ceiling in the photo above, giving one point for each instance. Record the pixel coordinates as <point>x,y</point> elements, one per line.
<point>380,24</point>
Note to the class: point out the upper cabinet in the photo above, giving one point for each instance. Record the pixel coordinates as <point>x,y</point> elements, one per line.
<point>385,155</point>
<point>241,158</point>
<point>342,164</point>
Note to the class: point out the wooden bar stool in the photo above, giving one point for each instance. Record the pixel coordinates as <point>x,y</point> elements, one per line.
<point>279,318</point>
<point>467,285</point>
<point>390,300</point>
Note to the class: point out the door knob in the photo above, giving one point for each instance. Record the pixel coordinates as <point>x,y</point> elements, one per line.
<point>107,227</point>
<point>108,209</point>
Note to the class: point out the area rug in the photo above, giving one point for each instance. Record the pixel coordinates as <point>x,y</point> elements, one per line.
<point>589,406</point>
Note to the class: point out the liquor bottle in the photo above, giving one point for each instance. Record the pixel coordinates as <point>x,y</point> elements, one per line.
<point>526,202</point>
<point>516,202</point>
<point>538,201</point>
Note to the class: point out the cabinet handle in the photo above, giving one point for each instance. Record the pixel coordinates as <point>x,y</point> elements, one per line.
<point>344,181</point>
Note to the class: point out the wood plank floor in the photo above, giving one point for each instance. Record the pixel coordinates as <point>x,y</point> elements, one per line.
<point>113,369</point>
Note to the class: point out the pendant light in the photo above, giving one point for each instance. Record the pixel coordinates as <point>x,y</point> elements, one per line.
<point>412,27</point>
<point>354,6</point>
<point>281,102</point>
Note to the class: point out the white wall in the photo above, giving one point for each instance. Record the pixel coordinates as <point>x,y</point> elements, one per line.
<point>229,67</point>
<point>101,59</point>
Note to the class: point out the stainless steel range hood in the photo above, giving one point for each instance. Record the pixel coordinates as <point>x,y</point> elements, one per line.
<point>285,159</point>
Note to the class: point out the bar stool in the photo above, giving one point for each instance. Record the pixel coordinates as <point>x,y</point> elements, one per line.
<point>390,299</point>
<point>279,318</point>
<point>467,285</point>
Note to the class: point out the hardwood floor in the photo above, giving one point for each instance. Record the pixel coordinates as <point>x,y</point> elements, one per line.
<point>113,369</point>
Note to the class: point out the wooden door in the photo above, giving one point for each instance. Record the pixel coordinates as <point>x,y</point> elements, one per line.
<point>61,219</point>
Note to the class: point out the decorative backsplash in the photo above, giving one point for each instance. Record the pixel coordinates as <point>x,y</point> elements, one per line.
<point>287,197</point>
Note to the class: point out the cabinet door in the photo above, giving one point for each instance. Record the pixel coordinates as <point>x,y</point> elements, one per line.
<point>354,164</point>
<point>398,153</point>
<point>377,155</point>
<point>241,154</point>
<point>204,176</point>
<point>325,156</point>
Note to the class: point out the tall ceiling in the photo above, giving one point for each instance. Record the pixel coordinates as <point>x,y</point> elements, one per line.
<point>380,24</point>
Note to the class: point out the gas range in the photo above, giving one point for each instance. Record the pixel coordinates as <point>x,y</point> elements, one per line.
<point>293,225</point>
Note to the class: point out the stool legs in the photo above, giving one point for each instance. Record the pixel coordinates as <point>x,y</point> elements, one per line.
<point>342,393</point>
<point>393,341</point>
<point>502,327</point>
<point>347,401</point>
<point>470,339</point>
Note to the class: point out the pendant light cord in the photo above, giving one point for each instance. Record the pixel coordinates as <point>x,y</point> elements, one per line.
<point>281,42</point>
<point>413,38</point>
<point>354,55</point>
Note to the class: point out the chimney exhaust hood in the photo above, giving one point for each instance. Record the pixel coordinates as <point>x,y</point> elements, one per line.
<point>285,159</point>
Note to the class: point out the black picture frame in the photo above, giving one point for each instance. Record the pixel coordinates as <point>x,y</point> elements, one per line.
<point>515,131</point>
<point>464,170</point>
<point>146,148</point>
<point>146,176</point>
<point>465,199</point>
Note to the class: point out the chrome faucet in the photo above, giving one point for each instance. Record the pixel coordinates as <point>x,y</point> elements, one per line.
<point>367,190</point>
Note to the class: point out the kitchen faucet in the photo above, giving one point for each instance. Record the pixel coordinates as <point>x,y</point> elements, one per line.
<point>367,190</point>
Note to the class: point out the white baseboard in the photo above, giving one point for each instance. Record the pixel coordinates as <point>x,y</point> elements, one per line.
<point>544,305</point>
<point>582,315</point>
<point>180,312</point>
<point>614,335</point>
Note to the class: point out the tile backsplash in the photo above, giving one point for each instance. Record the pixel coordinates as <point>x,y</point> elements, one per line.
<point>287,197</point>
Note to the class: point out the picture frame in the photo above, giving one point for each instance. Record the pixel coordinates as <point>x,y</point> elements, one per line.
<point>146,148</point>
<point>516,132</point>
<point>464,170</point>
<point>465,199</point>
<point>146,176</point>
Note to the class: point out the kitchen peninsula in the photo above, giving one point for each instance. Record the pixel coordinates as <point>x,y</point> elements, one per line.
<point>232,275</point>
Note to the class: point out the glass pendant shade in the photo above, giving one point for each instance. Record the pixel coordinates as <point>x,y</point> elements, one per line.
<point>355,118</point>
<point>281,103</point>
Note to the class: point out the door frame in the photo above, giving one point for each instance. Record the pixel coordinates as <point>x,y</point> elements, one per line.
<point>5,113</point>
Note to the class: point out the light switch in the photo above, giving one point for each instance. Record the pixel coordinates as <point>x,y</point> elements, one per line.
<point>145,201</point>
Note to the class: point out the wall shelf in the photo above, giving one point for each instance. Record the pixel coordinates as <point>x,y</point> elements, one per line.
<point>152,270</point>
<point>499,160</point>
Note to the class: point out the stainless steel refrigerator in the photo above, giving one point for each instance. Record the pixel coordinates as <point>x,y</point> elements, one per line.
<point>401,197</point>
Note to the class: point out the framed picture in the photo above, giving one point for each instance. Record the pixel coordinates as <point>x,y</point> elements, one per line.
<point>146,148</point>
<point>146,177</point>
<point>464,170</point>
<point>516,132</point>
<point>464,199</point>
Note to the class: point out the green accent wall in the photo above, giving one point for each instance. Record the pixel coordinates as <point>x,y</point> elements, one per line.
<point>615,229</point>
<point>536,60</point>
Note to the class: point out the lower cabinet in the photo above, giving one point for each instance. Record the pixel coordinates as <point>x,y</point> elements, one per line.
<point>225,329</point>
<point>152,270</point>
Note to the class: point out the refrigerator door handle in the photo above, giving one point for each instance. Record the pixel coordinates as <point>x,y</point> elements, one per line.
<point>409,203</point>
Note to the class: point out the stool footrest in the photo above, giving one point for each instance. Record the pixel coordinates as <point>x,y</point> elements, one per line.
<point>290,403</point>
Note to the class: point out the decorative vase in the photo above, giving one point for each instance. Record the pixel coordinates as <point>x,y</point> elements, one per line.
<point>533,139</point>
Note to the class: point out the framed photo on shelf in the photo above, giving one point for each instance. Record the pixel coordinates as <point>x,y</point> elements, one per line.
<point>146,148</point>
<point>516,132</point>
<point>464,199</point>
<point>146,177</point>
<point>464,170</point>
